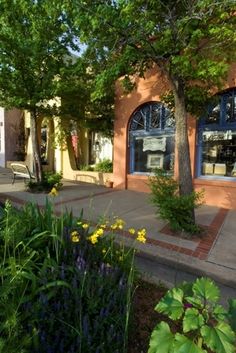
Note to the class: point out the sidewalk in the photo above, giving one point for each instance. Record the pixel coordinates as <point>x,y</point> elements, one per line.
<point>213,256</point>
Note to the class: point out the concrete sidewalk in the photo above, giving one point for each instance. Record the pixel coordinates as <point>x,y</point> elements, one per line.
<point>213,256</point>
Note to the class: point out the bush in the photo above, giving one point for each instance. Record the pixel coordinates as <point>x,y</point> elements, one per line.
<point>65,287</point>
<point>50,180</point>
<point>195,322</point>
<point>104,166</point>
<point>175,208</point>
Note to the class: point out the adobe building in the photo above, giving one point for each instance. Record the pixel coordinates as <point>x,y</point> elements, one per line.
<point>144,139</point>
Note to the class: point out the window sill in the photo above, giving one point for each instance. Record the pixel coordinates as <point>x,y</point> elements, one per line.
<point>215,181</point>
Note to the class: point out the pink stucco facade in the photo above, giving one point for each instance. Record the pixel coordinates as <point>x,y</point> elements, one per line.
<point>221,193</point>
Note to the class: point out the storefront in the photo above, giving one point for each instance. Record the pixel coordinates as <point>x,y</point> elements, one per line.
<point>144,139</point>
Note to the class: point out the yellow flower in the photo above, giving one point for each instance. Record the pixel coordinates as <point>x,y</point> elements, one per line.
<point>141,238</point>
<point>114,226</point>
<point>79,223</point>
<point>104,251</point>
<point>75,236</point>
<point>119,223</point>
<point>103,226</point>
<point>142,235</point>
<point>132,231</point>
<point>142,232</point>
<point>99,231</point>
<point>94,238</point>
<point>85,226</point>
<point>53,192</point>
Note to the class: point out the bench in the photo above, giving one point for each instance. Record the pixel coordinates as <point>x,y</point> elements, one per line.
<point>21,171</point>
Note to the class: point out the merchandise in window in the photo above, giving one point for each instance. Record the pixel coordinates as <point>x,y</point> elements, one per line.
<point>217,138</point>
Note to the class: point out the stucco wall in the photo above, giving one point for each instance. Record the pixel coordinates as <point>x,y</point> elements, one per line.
<point>80,175</point>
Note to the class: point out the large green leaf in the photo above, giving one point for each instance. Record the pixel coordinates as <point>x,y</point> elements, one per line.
<point>206,289</point>
<point>220,339</point>
<point>184,345</point>
<point>195,301</point>
<point>192,320</point>
<point>219,313</point>
<point>172,304</point>
<point>161,339</point>
<point>232,313</point>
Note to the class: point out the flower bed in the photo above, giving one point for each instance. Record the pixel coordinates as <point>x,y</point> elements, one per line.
<point>66,285</point>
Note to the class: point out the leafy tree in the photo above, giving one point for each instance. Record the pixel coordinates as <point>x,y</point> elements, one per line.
<point>79,109</point>
<point>78,102</point>
<point>34,41</point>
<point>191,42</point>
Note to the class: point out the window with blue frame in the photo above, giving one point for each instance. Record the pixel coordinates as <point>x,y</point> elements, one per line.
<point>151,139</point>
<point>217,138</point>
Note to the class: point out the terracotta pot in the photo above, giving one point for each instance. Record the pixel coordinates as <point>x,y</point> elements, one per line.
<point>109,184</point>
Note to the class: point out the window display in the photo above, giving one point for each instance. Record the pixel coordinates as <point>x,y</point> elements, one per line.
<point>217,137</point>
<point>151,137</point>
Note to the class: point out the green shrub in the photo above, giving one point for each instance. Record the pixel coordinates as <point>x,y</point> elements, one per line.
<point>200,324</point>
<point>49,180</point>
<point>104,166</point>
<point>175,208</point>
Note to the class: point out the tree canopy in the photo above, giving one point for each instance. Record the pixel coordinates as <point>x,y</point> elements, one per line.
<point>36,65</point>
<point>191,42</point>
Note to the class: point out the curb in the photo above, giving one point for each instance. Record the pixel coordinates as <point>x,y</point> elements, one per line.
<point>218,276</point>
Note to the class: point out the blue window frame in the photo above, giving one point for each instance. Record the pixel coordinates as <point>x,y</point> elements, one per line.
<point>151,139</point>
<point>216,157</point>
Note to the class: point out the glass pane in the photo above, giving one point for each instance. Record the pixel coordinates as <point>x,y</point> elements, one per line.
<point>154,152</point>
<point>213,116</point>
<point>219,153</point>
<point>138,122</point>
<point>152,116</point>
<point>155,118</point>
<point>230,108</point>
<point>169,119</point>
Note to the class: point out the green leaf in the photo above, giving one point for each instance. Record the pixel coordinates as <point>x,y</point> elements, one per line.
<point>220,339</point>
<point>232,313</point>
<point>193,320</point>
<point>197,302</point>
<point>219,313</point>
<point>172,304</point>
<point>161,339</point>
<point>184,345</point>
<point>206,289</point>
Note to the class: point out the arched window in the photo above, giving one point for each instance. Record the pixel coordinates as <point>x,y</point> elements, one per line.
<point>151,138</point>
<point>217,138</point>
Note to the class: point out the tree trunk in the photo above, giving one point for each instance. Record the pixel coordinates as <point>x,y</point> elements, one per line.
<point>181,138</point>
<point>35,147</point>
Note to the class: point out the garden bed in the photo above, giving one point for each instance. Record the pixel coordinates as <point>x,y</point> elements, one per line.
<point>143,316</point>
